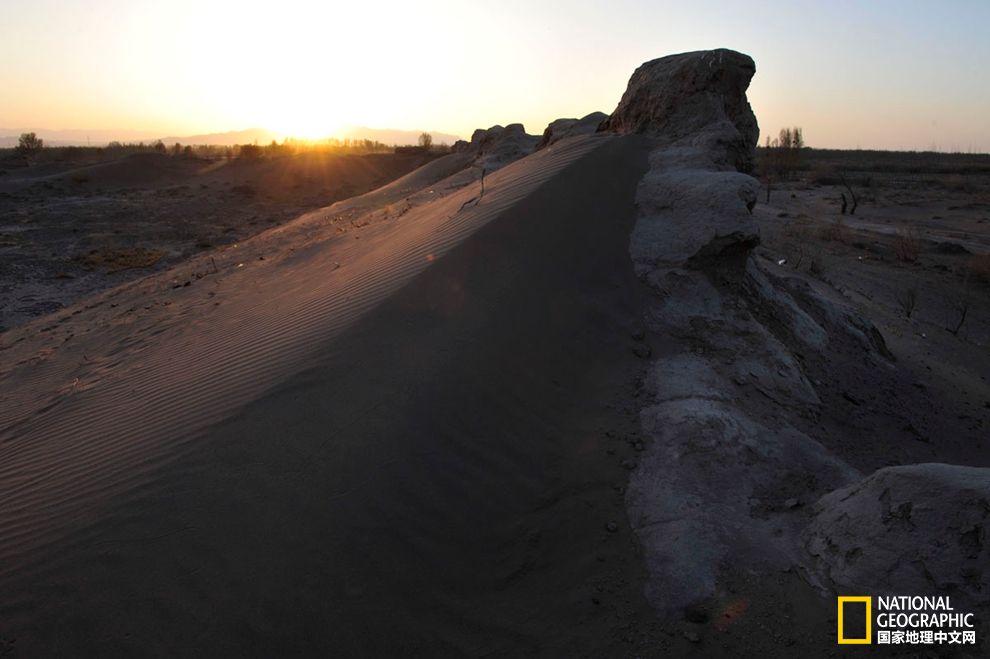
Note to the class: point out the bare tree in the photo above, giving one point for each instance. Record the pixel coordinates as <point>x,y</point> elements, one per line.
<point>767,165</point>
<point>781,156</point>
<point>797,138</point>
<point>425,141</point>
<point>855,199</point>
<point>29,143</point>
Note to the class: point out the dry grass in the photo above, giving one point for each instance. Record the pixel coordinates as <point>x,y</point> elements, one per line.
<point>907,245</point>
<point>835,231</point>
<point>956,183</point>
<point>114,259</point>
<point>824,174</point>
<point>795,238</point>
<point>819,263</point>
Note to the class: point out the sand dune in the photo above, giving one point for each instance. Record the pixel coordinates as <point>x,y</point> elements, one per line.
<point>111,395</point>
<point>118,400</point>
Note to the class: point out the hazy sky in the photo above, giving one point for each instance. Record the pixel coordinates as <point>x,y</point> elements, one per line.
<point>880,74</point>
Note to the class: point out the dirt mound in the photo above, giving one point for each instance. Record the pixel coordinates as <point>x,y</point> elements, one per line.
<point>497,146</point>
<point>915,529</point>
<point>133,170</point>
<point>561,128</point>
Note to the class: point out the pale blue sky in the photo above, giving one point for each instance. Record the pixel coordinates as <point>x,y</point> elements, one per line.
<point>883,74</point>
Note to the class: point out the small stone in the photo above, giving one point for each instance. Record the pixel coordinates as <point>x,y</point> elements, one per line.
<point>692,636</point>
<point>628,464</point>
<point>792,503</point>
<point>611,527</point>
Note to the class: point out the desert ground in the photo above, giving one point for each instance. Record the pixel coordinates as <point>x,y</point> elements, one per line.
<point>588,393</point>
<point>914,259</point>
<point>77,221</point>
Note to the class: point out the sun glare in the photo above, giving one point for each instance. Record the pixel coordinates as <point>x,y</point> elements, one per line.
<point>306,128</point>
<point>304,118</point>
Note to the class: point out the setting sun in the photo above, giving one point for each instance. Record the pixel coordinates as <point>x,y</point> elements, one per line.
<point>304,121</point>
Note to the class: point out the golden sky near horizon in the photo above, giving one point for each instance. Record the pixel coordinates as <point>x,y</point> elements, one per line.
<point>904,75</point>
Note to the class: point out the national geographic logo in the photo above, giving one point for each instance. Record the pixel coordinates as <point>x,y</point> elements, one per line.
<point>854,620</point>
<point>902,620</point>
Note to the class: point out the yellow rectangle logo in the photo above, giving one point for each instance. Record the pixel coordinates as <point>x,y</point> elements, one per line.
<point>868,601</point>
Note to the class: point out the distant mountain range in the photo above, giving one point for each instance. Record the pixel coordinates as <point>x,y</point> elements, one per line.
<point>230,138</point>
<point>82,137</point>
<point>75,137</point>
<point>264,136</point>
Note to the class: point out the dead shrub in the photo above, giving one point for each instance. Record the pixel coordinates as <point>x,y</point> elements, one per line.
<point>959,300</point>
<point>907,299</point>
<point>818,265</point>
<point>114,259</point>
<point>907,245</point>
<point>797,238</point>
<point>822,174</point>
<point>835,231</point>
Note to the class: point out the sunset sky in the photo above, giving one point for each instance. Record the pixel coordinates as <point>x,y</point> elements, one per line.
<point>881,74</point>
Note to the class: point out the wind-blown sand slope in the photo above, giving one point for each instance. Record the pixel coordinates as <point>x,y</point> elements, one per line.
<point>81,417</point>
<point>353,445</point>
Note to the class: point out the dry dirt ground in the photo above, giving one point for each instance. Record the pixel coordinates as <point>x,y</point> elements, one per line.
<point>919,242</point>
<point>915,260</point>
<point>72,224</point>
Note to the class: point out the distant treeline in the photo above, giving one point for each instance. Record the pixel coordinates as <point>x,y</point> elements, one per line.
<point>215,152</point>
<point>903,162</point>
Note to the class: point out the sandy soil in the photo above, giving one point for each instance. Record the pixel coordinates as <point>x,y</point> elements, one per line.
<point>74,227</point>
<point>941,385</point>
<point>456,492</point>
